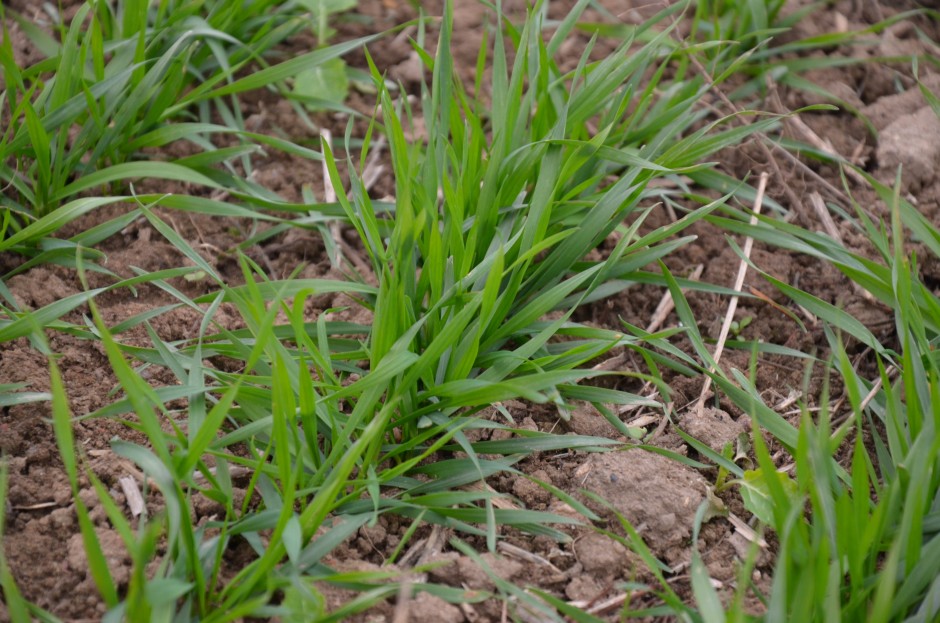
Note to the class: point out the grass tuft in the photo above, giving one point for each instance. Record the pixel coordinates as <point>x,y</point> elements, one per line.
<point>518,202</point>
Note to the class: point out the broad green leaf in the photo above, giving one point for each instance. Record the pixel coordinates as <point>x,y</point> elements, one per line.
<point>756,494</point>
<point>327,82</point>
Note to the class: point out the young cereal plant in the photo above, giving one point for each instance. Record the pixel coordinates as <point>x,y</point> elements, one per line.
<point>479,266</point>
<point>122,81</point>
<point>480,249</point>
<point>860,541</point>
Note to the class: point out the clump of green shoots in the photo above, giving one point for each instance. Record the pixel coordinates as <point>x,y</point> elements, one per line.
<point>494,216</point>
<point>858,539</point>
<point>120,82</point>
<point>480,263</point>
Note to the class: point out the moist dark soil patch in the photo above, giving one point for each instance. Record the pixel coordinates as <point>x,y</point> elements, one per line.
<point>659,497</point>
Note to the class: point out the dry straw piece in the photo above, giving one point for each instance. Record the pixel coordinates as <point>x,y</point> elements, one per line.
<point>738,283</point>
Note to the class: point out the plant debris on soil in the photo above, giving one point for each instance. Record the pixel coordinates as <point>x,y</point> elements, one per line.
<point>658,495</point>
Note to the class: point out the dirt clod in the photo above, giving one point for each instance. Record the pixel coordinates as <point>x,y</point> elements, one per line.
<point>587,420</point>
<point>112,547</point>
<point>601,556</point>
<point>427,608</point>
<point>913,143</point>
<point>713,427</point>
<point>583,588</point>
<point>532,494</point>
<point>658,496</point>
<point>464,571</point>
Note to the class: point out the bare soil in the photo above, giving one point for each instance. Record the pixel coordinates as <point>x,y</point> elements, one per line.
<point>659,496</point>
